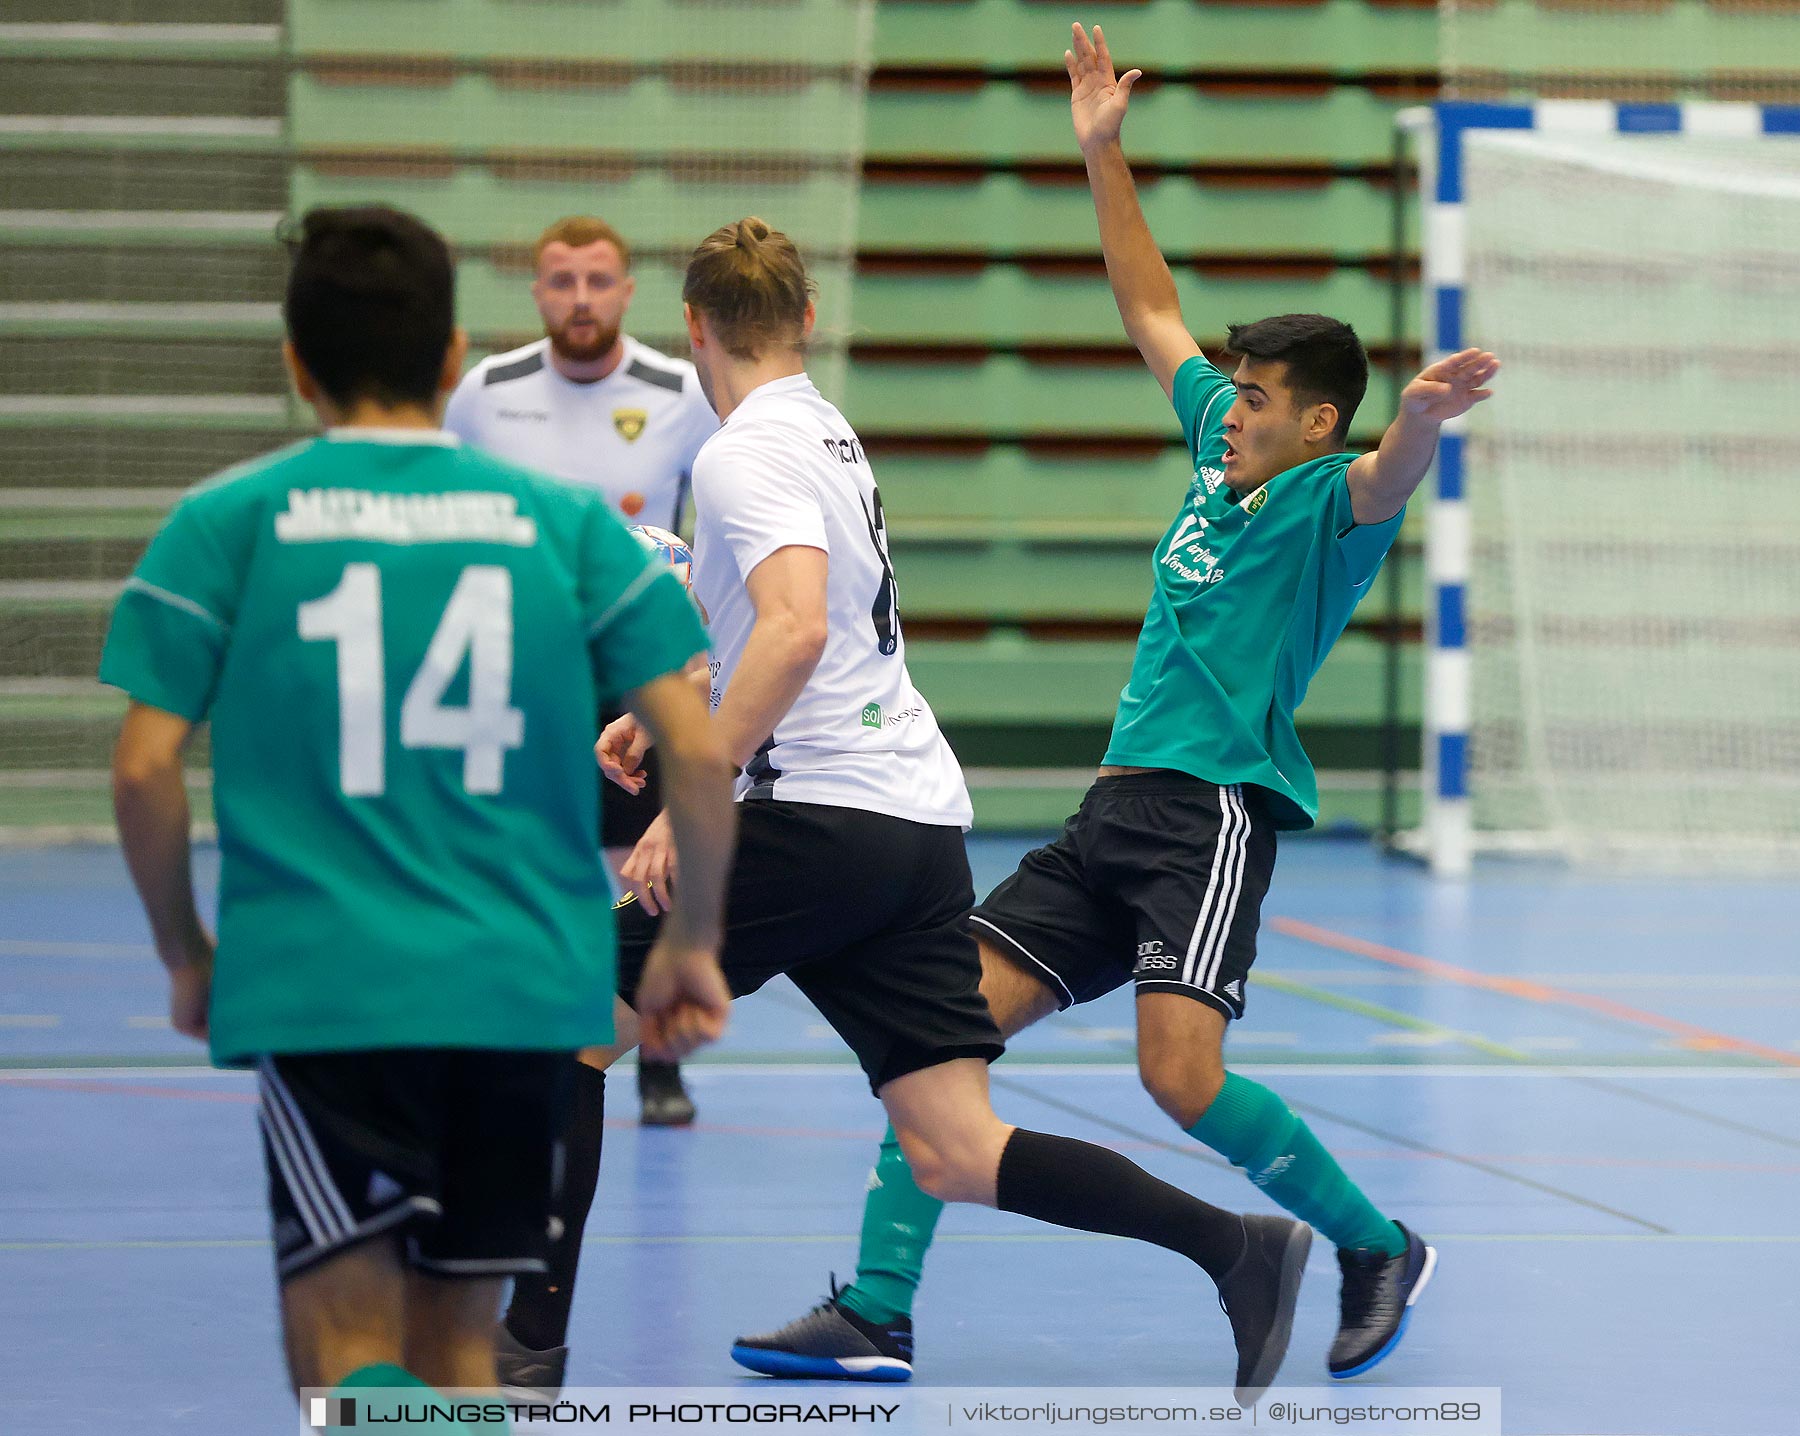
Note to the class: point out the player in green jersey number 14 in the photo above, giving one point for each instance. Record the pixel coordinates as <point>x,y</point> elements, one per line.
<point>401,645</point>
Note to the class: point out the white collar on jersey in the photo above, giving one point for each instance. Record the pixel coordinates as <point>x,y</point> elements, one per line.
<point>787,384</point>
<point>441,438</point>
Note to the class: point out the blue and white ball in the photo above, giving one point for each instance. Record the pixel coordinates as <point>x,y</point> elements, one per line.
<point>671,548</point>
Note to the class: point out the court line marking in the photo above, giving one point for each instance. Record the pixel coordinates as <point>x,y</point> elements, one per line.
<point>1715,981</point>
<point>1198,1152</point>
<point>1607,1084</point>
<point>1478,1165</point>
<point>1190,1149</point>
<point>1134,1140</point>
<point>24,947</point>
<point>743,1065</point>
<point>59,1244</point>
<point>1667,1104</point>
<point>1404,1020</point>
<point>1495,1049</point>
<point>1702,1039</point>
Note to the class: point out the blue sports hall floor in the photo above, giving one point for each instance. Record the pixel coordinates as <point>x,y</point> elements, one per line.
<point>1584,1094</point>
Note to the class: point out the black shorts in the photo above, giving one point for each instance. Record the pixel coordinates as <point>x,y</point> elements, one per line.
<point>1158,878</point>
<point>456,1149</point>
<point>624,816</point>
<point>866,914</point>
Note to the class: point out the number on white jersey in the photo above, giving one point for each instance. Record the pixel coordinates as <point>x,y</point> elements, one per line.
<point>885,611</point>
<point>477,624</point>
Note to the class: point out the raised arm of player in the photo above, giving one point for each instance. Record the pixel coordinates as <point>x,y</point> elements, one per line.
<point>151,804</point>
<point>682,997</point>
<point>1142,286</point>
<point>1383,480</point>
<point>786,642</point>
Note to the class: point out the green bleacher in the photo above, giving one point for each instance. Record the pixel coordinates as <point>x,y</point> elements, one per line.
<point>1027,461</point>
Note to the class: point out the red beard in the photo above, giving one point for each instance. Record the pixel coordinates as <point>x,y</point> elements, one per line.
<point>582,352</point>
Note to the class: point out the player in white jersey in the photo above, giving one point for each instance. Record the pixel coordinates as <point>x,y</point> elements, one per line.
<point>852,876</point>
<point>589,404</point>
<point>789,472</point>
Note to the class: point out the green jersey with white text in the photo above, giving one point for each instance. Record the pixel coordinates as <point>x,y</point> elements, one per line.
<point>1250,594</point>
<point>401,644</point>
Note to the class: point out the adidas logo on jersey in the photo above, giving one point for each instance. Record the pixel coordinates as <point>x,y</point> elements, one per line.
<point>1212,478</point>
<point>1235,990</point>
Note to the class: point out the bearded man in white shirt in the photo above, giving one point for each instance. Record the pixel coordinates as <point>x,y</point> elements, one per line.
<point>592,406</point>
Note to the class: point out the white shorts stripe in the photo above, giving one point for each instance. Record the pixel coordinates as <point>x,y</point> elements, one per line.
<point>496,1266</point>
<point>1212,893</point>
<point>307,1151</point>
<point>1068,998</point>
<point>1221,891</point>
<point>309,1215</point>
<point>1221,933</point>
<point>1235,826</point>
<point>314,1213</point>
<point>393,1216</point>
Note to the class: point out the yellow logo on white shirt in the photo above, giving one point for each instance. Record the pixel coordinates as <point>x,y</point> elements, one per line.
<point>630,423</point>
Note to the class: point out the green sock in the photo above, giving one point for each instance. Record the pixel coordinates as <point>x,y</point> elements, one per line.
<point>1252,1128</point>
<point>898,1220</point>
<point>386,1377</point>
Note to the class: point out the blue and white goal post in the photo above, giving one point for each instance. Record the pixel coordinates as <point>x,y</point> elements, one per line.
<point>1449,836</point>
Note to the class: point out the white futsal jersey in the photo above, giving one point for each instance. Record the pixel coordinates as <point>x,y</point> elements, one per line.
<point>786,468</point>
<point>632,435</point>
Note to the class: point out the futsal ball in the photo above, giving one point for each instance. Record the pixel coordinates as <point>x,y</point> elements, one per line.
<point>670,548</point>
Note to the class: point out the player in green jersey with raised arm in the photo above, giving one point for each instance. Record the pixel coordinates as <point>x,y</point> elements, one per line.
<point>1159,878</point>
<point>401,644</point>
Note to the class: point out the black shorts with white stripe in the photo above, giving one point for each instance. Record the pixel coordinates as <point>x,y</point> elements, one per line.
<point>455,1151</point>
<point>1158,878</point>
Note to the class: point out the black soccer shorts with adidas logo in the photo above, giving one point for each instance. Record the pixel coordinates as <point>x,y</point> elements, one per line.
<point>454,1152</point>
<point>1158,879</point>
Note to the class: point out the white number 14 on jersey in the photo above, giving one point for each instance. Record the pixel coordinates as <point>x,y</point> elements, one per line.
<point>477,624</point>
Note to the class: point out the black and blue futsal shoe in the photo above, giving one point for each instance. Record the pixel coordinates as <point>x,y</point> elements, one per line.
<point>831,1343</point>
<point>1377,1301</point>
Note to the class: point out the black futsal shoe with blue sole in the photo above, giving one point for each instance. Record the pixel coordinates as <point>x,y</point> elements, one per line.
<point>831,1343</point>
<point>1377,1302</point>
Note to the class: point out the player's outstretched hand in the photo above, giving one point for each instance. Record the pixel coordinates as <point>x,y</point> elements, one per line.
<point>1097,100</point>
<point>620,752</point>
<point>650,870</point>
<point>1450,387</point>
<point>682,1001</point>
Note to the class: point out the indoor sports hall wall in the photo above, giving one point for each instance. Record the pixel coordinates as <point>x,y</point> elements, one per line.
<point>1027,461</point>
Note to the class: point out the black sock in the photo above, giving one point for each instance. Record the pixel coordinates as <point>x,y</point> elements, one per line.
<point>539,1314</point>
<point>1076,1184</point>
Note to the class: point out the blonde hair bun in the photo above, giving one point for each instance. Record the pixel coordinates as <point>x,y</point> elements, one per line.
<point>749,280</point>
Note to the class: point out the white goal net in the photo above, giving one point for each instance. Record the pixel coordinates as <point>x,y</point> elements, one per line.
<point>1634,492</point>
